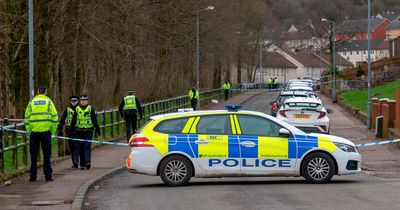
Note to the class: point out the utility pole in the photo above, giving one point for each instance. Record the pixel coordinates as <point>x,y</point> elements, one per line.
<point>30,40</point>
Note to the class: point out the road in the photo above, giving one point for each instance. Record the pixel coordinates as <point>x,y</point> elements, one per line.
<point>361,191</point>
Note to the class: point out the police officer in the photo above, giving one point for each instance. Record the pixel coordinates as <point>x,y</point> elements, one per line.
<point>276,85</point>
<point>194,97</point>
<point>128,108</point>
<point>67,119</point>
<point>269,83</point>
<point>227,88</point>
<point>40,122</point>
<point>84,122</point>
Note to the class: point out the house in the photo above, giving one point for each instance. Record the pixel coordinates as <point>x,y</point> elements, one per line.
<point>276,65</point>
<point>358,29</point>
<point>340,62</point>
<point>356,51</point>
<point>390,15</point>
<point>308,64</point>
<point>302,37</point>
<point>394,47</point>
<point>393,29</point>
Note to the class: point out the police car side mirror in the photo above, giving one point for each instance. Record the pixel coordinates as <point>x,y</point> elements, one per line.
<point>271,102</point>
<point>330,111</point>
<point>283,132</point>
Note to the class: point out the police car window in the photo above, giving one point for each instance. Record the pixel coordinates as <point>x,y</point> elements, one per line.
<point>171,126</point>
<point>214,124</point>
<point>258,126</point>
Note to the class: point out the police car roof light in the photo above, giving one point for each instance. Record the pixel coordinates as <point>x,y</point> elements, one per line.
<point>233,107</point>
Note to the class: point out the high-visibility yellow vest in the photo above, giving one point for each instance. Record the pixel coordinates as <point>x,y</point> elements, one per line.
<point>130,102</point>
<point>70,114</point>
<point>84,117</point>
<point>269,81</point>
<point>41,115</point>
<point>276,81</point>
<point>227,86</point>
<point>193,96</point>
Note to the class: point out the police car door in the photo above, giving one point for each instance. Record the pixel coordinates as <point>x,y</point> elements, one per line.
<point>263,151</point>
<point>216,150</point>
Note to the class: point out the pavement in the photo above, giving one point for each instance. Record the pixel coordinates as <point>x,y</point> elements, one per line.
<point>59,194</point>
<point>375,188</point>
<point>382,161</point>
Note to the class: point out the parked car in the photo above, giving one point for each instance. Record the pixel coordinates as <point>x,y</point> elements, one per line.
<point>307,114</point>
<point>277,103</point>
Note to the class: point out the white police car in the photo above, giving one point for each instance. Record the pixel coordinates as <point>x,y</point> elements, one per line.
<point>232,143</point>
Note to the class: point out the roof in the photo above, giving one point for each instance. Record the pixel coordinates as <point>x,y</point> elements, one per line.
<point>393,25</point>
<point>390,15</point>
<point>358,26</point>
<point>308,59</point>
<point>275,59</point>
<point>196,113</point>
<point>305,31</point>
<point>356,45</point>
<point>326,58</point>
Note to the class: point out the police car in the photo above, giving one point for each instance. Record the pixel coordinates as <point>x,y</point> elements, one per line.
<point>232,143</point>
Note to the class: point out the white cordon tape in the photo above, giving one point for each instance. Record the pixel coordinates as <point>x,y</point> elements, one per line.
<point>378,143</point>
<point>126,144</point>
<point>75,139</point>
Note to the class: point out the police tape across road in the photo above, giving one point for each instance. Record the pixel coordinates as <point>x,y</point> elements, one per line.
<point>126,144</point>
<point>75,139</point>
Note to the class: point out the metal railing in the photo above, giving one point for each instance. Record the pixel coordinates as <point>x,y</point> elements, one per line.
<point>14,145</point>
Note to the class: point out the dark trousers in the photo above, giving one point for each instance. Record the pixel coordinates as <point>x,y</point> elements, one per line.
<point>83,150</point>
<point>36,140</point>
<point>130,125</point>
<point>71,145</point>
<point>226,92</point>
<point>193,103</point>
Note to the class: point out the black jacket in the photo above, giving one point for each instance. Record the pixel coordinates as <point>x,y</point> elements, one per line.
<point>122,104</point>
<point>64,117</point>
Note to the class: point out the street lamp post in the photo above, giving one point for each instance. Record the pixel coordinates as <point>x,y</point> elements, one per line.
<point>334,99</point>
<point>198,47</point>
<point>261,69</point>
<point>369,67</point>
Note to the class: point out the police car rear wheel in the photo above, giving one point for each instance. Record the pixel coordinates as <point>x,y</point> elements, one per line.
<point>176,171</point>
<point>318,168</point>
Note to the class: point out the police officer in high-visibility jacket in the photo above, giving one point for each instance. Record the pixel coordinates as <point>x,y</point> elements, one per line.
<point>40,122</point>
<point>84,122</point>
<point>194,97</point>
<point>269,83</point>
<point>128,108</point>
<point>227,88</point>
<point>66,118</point>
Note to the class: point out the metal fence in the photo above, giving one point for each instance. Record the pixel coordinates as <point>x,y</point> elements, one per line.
<point>14,145</point>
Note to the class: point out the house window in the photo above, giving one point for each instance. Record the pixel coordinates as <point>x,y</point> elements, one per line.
<point>344,53</point>
<point>351,53</point>
<point>372,51</point>
<point>357,52</point>
<point>308,71</point>
<point>365,52</point>
<point>282,72</point>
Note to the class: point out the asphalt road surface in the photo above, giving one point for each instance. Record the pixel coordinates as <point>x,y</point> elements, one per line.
<point>361,191</point>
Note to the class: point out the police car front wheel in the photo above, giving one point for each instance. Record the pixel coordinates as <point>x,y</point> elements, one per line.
<point>176,170</point>
<point>318,168</point>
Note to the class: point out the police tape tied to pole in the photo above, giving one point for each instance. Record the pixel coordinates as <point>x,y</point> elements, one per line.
<point>126,144</point>
<point>75,139</point>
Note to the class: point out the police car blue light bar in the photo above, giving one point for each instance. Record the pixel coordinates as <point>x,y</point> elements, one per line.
<point>233,107</point>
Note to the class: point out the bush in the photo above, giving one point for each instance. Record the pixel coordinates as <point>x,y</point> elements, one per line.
<point>360,71</point>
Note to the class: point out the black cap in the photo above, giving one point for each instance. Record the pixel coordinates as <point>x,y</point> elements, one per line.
<point>73,98</point>
<point>84,97</point>
<point>42,89</point>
